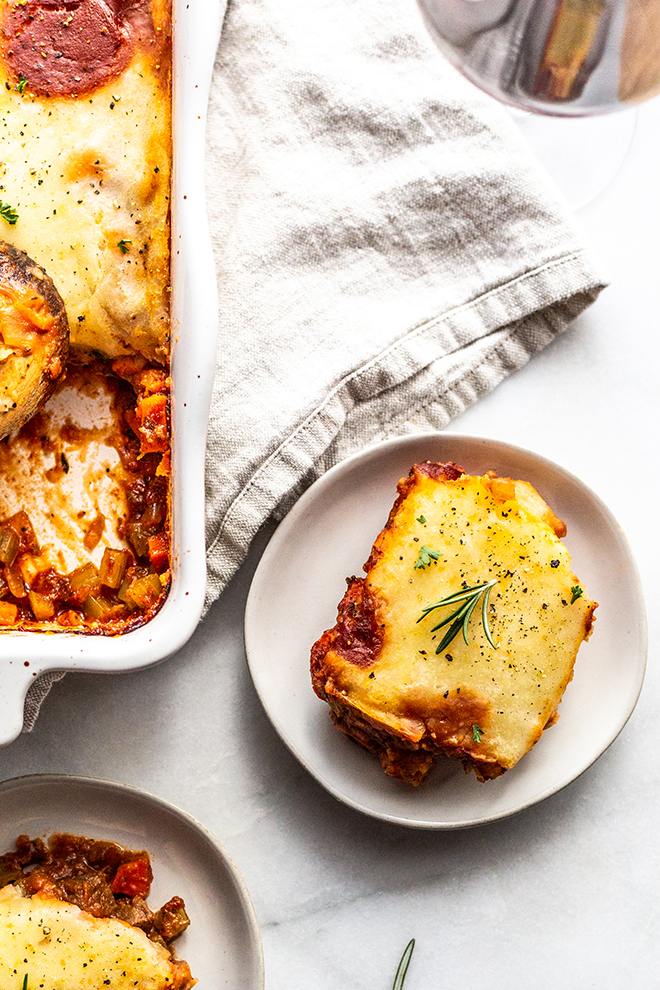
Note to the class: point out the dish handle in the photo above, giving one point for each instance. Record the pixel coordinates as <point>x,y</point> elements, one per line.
<point>16,675</point>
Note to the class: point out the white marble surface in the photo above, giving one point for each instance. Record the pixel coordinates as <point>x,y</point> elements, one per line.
<point>564,895</point>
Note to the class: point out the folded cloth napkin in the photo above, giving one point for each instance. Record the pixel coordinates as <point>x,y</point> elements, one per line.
<point>387,251</point>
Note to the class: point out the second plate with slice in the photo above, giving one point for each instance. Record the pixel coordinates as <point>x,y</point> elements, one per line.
<point>328,536</point>
<point>222,945</point>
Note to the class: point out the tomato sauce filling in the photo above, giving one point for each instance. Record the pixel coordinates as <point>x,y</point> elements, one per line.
<point>357,636</point>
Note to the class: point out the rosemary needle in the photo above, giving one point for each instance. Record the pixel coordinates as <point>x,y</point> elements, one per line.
<point>403,965</point>
<point>466,600</point>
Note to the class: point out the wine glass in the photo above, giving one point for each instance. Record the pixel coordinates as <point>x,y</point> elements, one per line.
<point>563,59</point>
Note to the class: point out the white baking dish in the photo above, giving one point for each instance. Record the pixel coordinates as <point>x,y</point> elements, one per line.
<point>25,655</point>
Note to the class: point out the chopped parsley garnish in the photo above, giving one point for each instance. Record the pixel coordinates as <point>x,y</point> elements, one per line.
<point>422,520</point>
<point>576,592</point>
<point>425,556</point>
<point>403,965</point>
<point>20,86</point>
<point>8,213</point>
<point>477,733</point>
<point>458,619</point>
<point>124,246</point>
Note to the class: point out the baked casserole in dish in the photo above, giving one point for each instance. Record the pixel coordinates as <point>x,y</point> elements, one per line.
<point>107,314</point>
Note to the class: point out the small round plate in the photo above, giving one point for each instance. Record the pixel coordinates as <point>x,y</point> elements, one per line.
<point>327,537</point>
<point>222,945</point>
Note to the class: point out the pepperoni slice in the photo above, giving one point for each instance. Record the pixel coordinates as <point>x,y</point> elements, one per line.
<point>67,47</point>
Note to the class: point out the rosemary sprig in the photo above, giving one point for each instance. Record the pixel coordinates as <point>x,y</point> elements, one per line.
<point>403,965</point>
<point>466,600</point>
<point>25,979</point>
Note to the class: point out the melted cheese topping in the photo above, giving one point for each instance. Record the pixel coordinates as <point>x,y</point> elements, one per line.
<point>89,178</point>
<point>482,529</point>
<point>61,947</point>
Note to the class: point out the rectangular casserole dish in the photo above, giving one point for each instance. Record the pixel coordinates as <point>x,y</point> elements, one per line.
<point>194,316</point>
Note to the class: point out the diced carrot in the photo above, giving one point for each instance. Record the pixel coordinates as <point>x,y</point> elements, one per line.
<point>152,411</point>
<point>152,414</point>
<point>133,878</point>
<point>94,531</point>
<point>154,380</point>
<point>69,618</point>
<point>164,468</point>
<point>8,613</point>
<point>159,551</point>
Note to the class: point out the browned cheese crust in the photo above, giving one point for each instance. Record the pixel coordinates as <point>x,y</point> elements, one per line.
<point>34,337</point>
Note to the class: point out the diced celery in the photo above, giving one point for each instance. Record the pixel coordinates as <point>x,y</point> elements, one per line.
<point>145,591</point>
<point>14,579</point>
<point>139,537</point>
<point>8,544</point>
<point>42,607</point>
<point>113,567</point>
<point>97,607</point>
<point>85,580</point>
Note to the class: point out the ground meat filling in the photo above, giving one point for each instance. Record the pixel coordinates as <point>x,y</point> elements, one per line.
<point>66,48</point>
<point>101,878</point>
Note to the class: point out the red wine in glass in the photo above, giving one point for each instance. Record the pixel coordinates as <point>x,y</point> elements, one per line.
<point>561,59</point>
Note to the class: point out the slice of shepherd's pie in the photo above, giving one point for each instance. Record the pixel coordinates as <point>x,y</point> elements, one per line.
<point>462,637</point>
<point>73,916</point>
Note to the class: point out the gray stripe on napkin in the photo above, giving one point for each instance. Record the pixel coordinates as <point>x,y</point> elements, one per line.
<point>387,249</point>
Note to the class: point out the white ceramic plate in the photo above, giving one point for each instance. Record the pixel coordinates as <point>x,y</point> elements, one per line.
<point>327,537</point>
<point>23,656</point>
<point>222,945</point>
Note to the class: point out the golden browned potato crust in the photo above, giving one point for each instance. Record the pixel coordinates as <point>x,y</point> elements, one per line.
<point>390,682</point>
<point>34,338</point>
